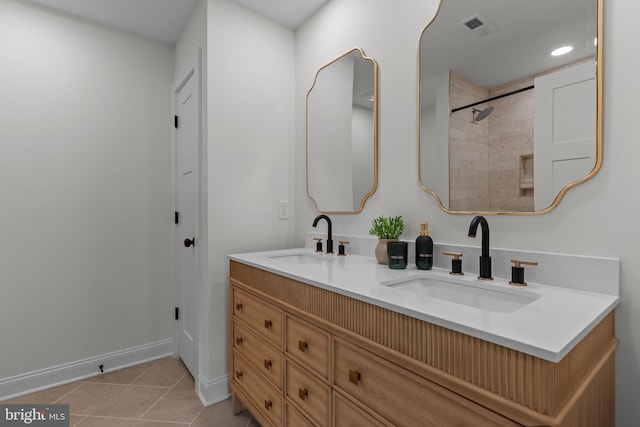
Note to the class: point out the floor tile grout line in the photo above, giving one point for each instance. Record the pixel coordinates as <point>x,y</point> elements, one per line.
<point>165,394</point>
<point>155,403</point>
<point>84,417</point>
<point>197,415</point>
<point>128,385</point>
<point>80,384</point>
<point>180,379</point>
<point>175,385</point>
<point>145,371</point>
<point>106,417</point>
<point>83,382</point>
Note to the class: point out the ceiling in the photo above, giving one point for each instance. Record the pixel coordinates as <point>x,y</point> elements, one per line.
<point>164,20</point>
<point>519,45</point>
<point>290,13</point>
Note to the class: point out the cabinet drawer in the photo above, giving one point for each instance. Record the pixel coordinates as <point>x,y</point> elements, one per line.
<point>403,397</point>
<point>265,358</point>
<point>295,417</point>
<point>260,315</point>
<point>265,397</point>
<point>346,413</point>
<point>308,393</point>
<point>309,345</point>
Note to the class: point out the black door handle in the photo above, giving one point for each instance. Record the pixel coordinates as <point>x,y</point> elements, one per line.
<point>190,242</point>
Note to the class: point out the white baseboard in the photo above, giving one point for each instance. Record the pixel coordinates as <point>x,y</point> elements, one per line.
<point>69,372</point>
<point>213,391</point>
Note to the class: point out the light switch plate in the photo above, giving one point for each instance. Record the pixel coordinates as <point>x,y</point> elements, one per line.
<point>283,209</point>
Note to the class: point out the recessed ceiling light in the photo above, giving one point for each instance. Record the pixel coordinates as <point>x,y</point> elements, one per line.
<point>562,50</point>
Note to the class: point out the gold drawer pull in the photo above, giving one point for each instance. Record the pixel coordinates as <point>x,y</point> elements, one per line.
<point>238,374</point>
<point>302,345</point>
<point>267,364</point>
<point>239,340</point>
<point>303,393</point>
<point>268,405</point>
<point>268,323</point>
<point>354,376</point>
<point>239,306</point>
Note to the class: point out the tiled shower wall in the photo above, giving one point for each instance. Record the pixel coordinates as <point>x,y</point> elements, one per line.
<point>484,157</point>
<point>510,137</point>
<point>468,148</point>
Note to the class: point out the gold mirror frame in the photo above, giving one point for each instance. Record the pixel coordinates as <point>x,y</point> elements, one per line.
<point>561,193</point>
<point>375,132</point>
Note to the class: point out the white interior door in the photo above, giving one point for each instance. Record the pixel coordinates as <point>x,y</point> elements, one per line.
<point>564,130</point>
<point>187,197</point>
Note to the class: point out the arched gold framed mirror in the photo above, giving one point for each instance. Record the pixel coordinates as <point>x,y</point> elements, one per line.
<point>504,126</point>
<point>342,134</point>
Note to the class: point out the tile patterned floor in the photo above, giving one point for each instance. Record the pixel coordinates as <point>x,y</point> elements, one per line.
<point>155,394</point>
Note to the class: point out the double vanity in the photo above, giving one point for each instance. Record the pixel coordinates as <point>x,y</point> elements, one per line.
<point>326,340</point>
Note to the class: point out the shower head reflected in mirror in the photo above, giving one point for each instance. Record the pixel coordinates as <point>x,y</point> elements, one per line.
<point>482,114</point>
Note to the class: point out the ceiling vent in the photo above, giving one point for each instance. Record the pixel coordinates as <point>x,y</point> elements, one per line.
<point>478,25</point>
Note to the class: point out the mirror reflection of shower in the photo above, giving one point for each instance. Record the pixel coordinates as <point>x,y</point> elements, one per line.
<point>482,114</point>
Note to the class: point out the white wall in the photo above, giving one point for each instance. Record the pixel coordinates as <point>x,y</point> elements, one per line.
<point>597,218</point>
<point>193,38</point>
<point>85,232</point>
<point>250,93</point>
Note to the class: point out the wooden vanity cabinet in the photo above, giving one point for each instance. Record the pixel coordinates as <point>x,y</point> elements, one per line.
<point>402,397</point>
<point>347,413</point>
<point>256,358</point>
<point>308,345</point>
<point>338,361</point>
<point>308,393</point>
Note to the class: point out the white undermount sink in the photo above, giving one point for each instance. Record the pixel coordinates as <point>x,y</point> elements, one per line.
<point>300,258</point>
<point>484,296</point>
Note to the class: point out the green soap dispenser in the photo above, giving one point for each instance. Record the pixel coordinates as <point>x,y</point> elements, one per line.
<point>424,248</point>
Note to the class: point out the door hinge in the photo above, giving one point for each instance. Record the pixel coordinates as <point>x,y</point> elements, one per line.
<point>177,313</point>
<point>175,122</point>
<point>176,217</point>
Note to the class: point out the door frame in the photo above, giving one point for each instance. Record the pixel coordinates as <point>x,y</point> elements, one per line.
<point>193,70</point>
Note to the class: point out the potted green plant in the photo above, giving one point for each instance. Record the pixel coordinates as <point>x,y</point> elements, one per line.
<point>387,229</point>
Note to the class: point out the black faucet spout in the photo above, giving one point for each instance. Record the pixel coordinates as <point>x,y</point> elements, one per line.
<point>473,227</point>
<point>329,237</point>
<point>485,259</point>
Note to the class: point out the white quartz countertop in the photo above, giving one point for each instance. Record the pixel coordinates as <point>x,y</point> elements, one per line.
<point>549,324</point>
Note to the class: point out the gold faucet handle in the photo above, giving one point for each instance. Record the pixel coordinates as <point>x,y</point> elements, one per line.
<point>456,263</point>
<point>456,255</point>
<point>517,272</point>
<point>519,263</point>
<point>318,239</point>
<point>343,242</point>
<point>318,243</point>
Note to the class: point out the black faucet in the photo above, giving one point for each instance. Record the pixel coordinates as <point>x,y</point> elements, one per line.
<point>329,239</point>
<point>485,259</point>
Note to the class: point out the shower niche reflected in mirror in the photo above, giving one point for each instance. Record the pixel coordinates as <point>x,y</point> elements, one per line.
<point>342,155</point>
<point>505,127</point>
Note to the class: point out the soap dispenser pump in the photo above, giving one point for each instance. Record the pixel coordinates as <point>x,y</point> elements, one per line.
<point>424,248</point>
